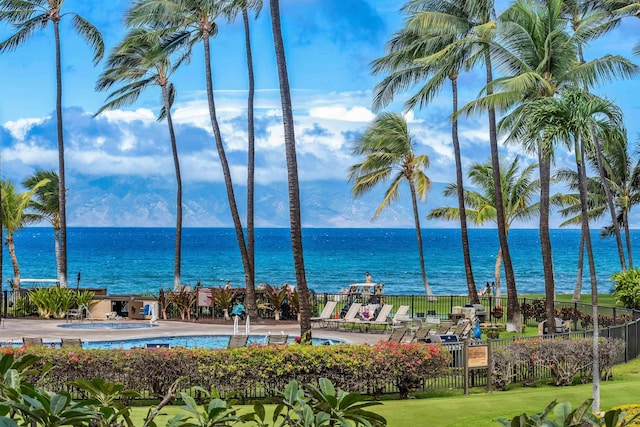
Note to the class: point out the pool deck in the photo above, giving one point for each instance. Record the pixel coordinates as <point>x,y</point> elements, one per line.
<point>15,329</point>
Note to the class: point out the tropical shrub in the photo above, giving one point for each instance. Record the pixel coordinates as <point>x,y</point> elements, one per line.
<point>354,368</point>
<point>183,300</point>
<point>562,415</point>
<point>276,297</point>
<point>53,301</point>
<point>564,358</point>
<point>627,288</point>
<point>223,298</point>
<point>630,411</point>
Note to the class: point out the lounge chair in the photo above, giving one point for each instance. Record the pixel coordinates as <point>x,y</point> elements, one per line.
<point>360,322</point>
<point>71,342</point>
<point>350,316</point>
<point>327,313</point>
<point>277,339</point>
<point>382,319</point>
<point>421,334</point>
<point>238,341</point>
<point>31,341</point>
<point>397,335</point>
<point>400,317</point>
<point>444,327</point>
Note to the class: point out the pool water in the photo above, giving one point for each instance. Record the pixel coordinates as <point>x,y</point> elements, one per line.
<point>197,341</point>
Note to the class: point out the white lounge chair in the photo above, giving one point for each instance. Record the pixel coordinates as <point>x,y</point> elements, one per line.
<point>351,314</point>
<point>359,320</point>
<point>327,313</point>
<point>381,318</point>
<point>400,317</point>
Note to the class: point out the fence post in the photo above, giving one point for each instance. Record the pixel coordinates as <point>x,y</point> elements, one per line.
<point>5,296</point>
<point>412,302</point>
<point>465,363</point>
<point>614,316</point>
<point>489,365</point>
<point>450,303</point>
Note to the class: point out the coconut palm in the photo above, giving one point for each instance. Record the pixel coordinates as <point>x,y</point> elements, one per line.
<point>292,173</point>
<point>388,148</point>
<point>46,203</point>
<point>409,62</point>
<point>138,62</point>
<point>27,17</point>
<point>244,6</point>
<point>477,24</point>
<point>15,216</point>
<point>575,119</point>
<point>194,21</point>
<point>518,190</point>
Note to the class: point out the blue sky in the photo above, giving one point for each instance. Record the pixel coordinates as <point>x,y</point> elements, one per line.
<point>119,165</point>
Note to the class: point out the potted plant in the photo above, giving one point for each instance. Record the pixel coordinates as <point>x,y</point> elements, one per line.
<point>497,312</point>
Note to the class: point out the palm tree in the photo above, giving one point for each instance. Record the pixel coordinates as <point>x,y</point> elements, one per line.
<point>27,17</point>
<point>292,173</point>
<point>244,6</point>
<point>518,189</point>
<point>138,62</point>
<point>538,58</point>
<point>477,24</point>
<point>46,203</point>
<point>409,62</point>
<point>14,217</point>
<point>575,119</point>
<point>193,21</point>
<point>389,155</point>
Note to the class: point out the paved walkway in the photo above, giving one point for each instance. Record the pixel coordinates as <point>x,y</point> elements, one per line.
<point>51,330</point>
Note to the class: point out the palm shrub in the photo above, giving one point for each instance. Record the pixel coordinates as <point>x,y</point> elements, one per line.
<point>627,288</point>
<point>223,298</point>
<point>182,300</point>
<point>84,298</point>
<point>52,302</point>
<point>276,297</point>
<point>163,302</point>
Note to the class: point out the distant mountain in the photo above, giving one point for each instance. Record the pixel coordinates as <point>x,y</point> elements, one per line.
<point>135,202</point>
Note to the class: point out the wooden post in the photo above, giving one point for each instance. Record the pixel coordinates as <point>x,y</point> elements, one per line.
<point>465,362</point>
<point>489,365</point>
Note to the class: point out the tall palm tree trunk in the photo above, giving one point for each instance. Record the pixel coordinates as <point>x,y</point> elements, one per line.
<point>605,184</point>
<point>582,183</point>
<point>416,218</point>
<point>225,168</point>
<point>62,268</point>
<point>514,322</point>
<point>496,275</point>
<point>177,261</point>
<point>545,239</point>
<point>14,262</point>
<point>250,297</point>
<point>627,236</point>
<point>577,290</point>
<point>464,234</point>
<point>292,174</point>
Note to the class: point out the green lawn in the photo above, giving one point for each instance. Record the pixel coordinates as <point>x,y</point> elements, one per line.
<point>479,409</point>
<point>603,299</point>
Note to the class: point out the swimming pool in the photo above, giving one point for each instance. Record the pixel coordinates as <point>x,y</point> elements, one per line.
<point>107,325</point>
<point>196,341</point>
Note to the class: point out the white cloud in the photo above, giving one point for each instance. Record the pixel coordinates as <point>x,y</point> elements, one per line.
<point>20,127</point>
<point>128,116</point>
<point>353,114</point>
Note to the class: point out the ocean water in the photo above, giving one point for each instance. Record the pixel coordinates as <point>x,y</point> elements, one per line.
<point>140,260</point>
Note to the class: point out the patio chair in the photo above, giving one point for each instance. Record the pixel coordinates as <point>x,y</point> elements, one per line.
<point>27,341</point>
<point>71,342</point>
<point>397,335</point>
<point>421,334</point>
<point>400,316</point>
<point>327,313</point>
<point>238,341</point>
<point>349,317</point>
<point>444,327</point>
<point>382,319</point>
<point>360,322</point>
<point>277,339</point>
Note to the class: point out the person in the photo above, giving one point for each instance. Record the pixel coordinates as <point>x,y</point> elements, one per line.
<point>369,278</point>
<point>238,310</point>
<point>228,285</point>
<point>365,315</point>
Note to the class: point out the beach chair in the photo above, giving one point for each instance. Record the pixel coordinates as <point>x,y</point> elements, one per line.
<point>350,316</point>
<point>422,334</point>
<point>444,327</point>
<point>382,319</point>
<point>359,321</point>
<point>400,317</point>
<point>327,313</point>
<point>27,341</point>
<point>238,341</point>
<point>71,342</point>
<point>397,335</point>
<point>277,339</point>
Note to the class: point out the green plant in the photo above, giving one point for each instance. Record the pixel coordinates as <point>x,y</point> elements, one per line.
<point>627,288</point>
<point>310,406</point>
<point>564,416</point>
<point>53,301</point>
<point>276,297</point>
<point>183,300</point>
<point>223,298</point>
<point>85,298</point>
<point>107,398</point>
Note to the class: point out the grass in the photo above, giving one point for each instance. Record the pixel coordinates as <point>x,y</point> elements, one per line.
<point>479,409</point>
<point>603,299</point>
